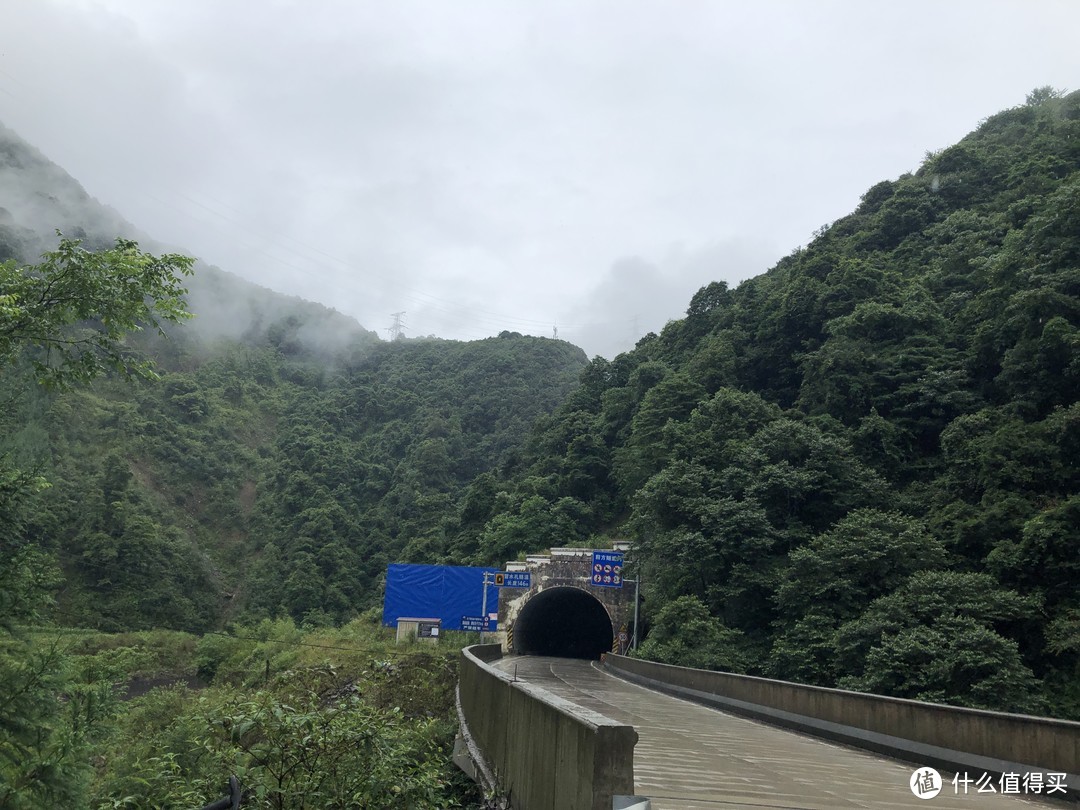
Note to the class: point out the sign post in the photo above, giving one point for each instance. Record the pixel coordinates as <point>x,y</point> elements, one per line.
<point>637,601</point>
<point>483,608</point>
<point>501,579</point>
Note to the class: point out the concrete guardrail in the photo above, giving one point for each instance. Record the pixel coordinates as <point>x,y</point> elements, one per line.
<point>949,738</point>
<point>545,753</point>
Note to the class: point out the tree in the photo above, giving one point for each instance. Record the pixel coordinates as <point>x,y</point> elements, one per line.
<point>670,400</point>
<point>867,554</point>
<point>710,297</point>
<point>804,478</point>
<point>935,638</point>
<point>532,524</point>
<point>834,578</point>
<point>721,422</point>
<point>1041,95</point>
<point>685,634</point>
<point>76,307</point>
<point>68,316</point>
<point>695,540</point>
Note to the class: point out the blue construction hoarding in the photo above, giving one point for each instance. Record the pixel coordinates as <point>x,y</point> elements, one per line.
<point>452,593</point>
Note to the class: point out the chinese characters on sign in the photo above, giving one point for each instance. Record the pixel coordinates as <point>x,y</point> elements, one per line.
<point>472,623</point>
<point>513,579</point>
<point>607,569</point>
<point>926,783</point>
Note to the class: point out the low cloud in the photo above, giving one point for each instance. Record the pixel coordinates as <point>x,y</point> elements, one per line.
<point>637,296</point>
<point>481,166</point>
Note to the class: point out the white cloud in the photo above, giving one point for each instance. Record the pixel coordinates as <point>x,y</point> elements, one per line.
<point>484,165</point>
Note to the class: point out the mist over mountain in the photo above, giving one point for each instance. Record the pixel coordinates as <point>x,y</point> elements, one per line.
<point>38,198</point>
<point>855,469</point>
<point>859,468</point>
<point>283,443</point>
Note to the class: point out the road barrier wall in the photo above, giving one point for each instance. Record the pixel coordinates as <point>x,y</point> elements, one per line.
<point>546,753</point>
<point>949,738</point>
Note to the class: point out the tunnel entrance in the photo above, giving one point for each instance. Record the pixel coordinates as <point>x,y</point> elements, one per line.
<point>565,622</point>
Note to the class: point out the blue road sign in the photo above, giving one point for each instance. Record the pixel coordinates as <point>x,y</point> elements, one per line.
<point>474,624</point>
<point>513,579</point>
<point>607,569</point>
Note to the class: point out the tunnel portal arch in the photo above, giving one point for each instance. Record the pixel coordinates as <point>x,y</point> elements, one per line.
<point>563,621</point>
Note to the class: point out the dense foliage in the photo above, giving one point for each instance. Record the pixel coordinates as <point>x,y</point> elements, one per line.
<point>330,718</point>
<point>859,468</point>
<point>62,322</point>
<point>303,719</point>
<point>265,480</point>
<point>80,510</point>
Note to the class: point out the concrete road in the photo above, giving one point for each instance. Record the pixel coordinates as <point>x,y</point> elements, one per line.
<point>691,756</point>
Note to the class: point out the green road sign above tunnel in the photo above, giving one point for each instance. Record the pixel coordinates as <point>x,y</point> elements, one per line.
<point>513,579</point>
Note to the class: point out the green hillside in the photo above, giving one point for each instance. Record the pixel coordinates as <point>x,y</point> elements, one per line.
<point>284,456</point>
<point>861,467</point>
<point>857,469</point>
<point>265,458</point>
<point>245,480</point>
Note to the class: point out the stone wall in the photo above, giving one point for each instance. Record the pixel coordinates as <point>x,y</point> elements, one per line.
<point>562,567</point>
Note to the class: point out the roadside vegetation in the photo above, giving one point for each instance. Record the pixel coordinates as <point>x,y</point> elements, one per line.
<point>857,469</point>
<point>304,718</point>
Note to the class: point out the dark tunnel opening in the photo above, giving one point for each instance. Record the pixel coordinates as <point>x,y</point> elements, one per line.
<point>564,622</point>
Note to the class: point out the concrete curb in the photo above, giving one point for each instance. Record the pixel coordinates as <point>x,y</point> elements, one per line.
<point>917,753</point>
<point>544,752</point>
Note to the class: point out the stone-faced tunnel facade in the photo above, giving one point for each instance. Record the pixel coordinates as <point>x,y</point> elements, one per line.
<point>563,613</point>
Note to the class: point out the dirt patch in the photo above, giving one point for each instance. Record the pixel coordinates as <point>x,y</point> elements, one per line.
<point>247,496</point>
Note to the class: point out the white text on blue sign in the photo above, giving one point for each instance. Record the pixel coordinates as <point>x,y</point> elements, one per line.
<point>607,569</point>
<point>513,579</point>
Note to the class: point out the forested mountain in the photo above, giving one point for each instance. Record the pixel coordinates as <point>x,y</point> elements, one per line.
<point>38,198</point>
<point>861,467</point>
<point>283,456</point>
<point>858,468</point>
<point>246,479</point>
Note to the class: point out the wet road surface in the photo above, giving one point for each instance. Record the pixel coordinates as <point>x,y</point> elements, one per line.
<point>691,756</point>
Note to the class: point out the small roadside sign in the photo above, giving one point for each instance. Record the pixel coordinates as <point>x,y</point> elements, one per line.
<point>513,579</point>
<point>607,569</point>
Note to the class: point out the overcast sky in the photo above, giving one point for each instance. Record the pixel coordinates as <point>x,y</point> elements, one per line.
<point>509,165</point>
